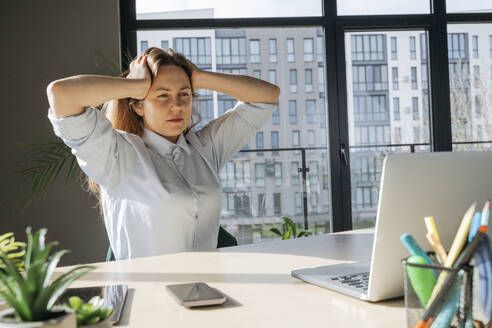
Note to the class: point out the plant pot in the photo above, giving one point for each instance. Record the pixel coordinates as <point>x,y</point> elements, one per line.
<point>106,323</point>
<point>64,320</point>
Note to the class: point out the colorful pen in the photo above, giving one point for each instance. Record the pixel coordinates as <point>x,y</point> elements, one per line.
<point>438,248</point>
<point>476,223</point>
<point>431,227</point>
<point>486,213</point>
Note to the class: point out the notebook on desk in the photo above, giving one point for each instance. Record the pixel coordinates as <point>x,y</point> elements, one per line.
<point>413,186</point>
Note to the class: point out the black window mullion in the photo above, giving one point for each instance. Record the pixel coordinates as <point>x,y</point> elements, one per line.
<point>128,31</point>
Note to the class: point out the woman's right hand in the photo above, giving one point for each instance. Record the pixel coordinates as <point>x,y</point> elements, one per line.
<point>140,71</point>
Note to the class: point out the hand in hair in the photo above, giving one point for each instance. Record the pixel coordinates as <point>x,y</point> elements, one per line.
<point>139,70</point>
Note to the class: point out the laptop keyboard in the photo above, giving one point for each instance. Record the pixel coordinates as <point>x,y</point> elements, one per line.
<point>358,281</point>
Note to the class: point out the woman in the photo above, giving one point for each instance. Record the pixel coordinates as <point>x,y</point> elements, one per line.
<point>157,179</point>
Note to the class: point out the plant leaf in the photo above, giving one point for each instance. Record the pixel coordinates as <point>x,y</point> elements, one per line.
<point>276,231</point>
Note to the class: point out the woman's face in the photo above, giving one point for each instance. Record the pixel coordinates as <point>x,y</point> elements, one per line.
<point>167,108</point>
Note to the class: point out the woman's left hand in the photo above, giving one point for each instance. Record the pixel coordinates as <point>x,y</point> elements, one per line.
<point>194,73</point>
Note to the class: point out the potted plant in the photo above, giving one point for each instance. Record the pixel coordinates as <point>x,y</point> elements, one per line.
<point>290,230</point>
<point>14,250</point>
<point>92,314</point>
<point>30,294</point>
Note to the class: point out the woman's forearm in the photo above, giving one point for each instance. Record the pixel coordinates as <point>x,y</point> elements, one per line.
<point>241,87</point>
<point>70,95</point>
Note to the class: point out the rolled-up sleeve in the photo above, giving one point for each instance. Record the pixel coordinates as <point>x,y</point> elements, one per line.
<point>235,128</point>
<point>101,151</point>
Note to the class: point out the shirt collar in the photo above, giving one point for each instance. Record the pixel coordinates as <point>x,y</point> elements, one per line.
<point>161,144</point>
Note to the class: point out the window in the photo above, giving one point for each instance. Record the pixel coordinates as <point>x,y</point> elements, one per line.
<point>260,174</point>
<point>165,44</point>
<point>308,50</point>
<point>257,73</point>
<point>394,73</point>
<point>276,117</point>
<point>274,136</point>
<point>310,138</point>
<point>261,205</point>
<point>394,51</point>
<point>143,46</point>
<point>313,172</point>
<point>416,134</point>
<point>413,48</point>
<point>457,45</point>
<point>475,46</point>
<point>225,105</point>
<point>296,139</point>
<point>229,50</point>
<point>476,76</point>
<point>277,206</point>
<point>398,135</point>
<point>396,109</point>
<point>320,47</point>
<point>310,111</point>
<point>413,73</point>
<point>290,51</point>
<point>294,173</point>
<point>313,201</point>
<point>198,50</point>
<point>415,108</point>
<point>298,203</point>
<point>206,110</point>
<point>425,82</point>
<point>367,47</point>
<point>273,50</point>
<point>293,112</point>
<point>321,79</point>
<point>369,77</point>
<point>259,143</point>
<point>308,78</point>
<point>423,46</point>
<point>242,174</point>
<point>278,174</point>
<point>293,80</point>
<point>254,51</point>
<point>370,108</point>
<point>272,76</point>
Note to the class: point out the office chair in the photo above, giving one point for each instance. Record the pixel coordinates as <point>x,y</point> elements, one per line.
<point>225,239</point>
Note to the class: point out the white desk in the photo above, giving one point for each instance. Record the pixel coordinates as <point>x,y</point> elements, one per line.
<point>257,280</point>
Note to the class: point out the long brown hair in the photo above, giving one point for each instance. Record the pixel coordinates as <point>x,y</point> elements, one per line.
<point>120,111</point>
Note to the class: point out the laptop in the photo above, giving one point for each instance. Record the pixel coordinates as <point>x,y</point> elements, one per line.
<point>440,184</point>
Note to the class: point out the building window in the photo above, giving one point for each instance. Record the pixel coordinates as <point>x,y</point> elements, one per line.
<point>394,73</point>
<point>413,48</point>
<point>398,135</point>
<point>476,76</point>
<point>367,47</point>
<point>272,76</point>
<point>308,78</point>
<point>260,174</point>
<point>277,206</point>
<point>278,173</point>
<point>370,108</point>
<point>370,77</point>
<point>198,50</point>
<point>457,45</point>
<point>475,46</point>
<point>413,73</point>
<point>313,172</point>
<point>298,203</point>
<point>321,79</point>
<point>274,136</point>
<point>225,105</point>
<point>259,143</point>
<point>396,109</point>
<point>311,111</point>
<point>296,139</point>
<point>143,46</point>
<point>164,44</point>
<point>294,173</point>
<point>320,47</point>
<point>276,116</point>
<point>257,74</point>
<point>313,201</point>
<point>308,50</point>
<point>310,137</point>
<point>394,48</point>
<point>293,80</point>
<point>293,111</point>
<point>290,51</point>
<point>254,51</point>
<point>423,46</point>
<point>261,205</point>
<point>273,50</point>
<point>416,134</point>
<point>206,110</point>
<point>415,108</point>
<point>229,50</point>
<point>425,82</point>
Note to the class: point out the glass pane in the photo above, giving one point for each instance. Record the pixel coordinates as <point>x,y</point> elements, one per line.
<point>475,6</point>
<point>178,9</point>
<point>260,185</point>
<point>382,7</point>
<point>470,85</point>
<point>386,114</point>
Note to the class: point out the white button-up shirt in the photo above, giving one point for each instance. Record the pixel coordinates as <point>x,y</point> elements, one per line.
<point>159,197</point>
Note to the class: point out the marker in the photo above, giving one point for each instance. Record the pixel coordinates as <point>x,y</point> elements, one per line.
<point>458,243</point>
<point>422,280</point>
<point>413,247</point>
<point>437,246</point>
<point>476,223</point>
<point>431,227</point>
<point>486,213</point>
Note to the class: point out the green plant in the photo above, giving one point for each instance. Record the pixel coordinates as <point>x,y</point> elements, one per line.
<point>290,230</point>
<point>14,250</point>
<point>91,312</point>
<point>30,293</point>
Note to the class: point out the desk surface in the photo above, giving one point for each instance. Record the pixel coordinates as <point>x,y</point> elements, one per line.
<point>257,281</point>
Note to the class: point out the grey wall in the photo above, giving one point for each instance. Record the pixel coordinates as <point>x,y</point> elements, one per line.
<point>43,41</point>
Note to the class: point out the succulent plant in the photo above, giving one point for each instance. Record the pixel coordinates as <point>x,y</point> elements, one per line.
<point>91,312</point>
<point>14,250</point>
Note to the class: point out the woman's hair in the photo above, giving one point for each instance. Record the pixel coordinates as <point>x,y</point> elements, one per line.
<point>120,111</point>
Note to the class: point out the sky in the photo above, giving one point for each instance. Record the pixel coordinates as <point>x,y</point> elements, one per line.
<point>275,8</point>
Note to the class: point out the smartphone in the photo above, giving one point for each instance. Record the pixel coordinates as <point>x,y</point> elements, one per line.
<point>195,294</point>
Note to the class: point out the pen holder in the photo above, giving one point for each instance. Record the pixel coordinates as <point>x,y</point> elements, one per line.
<point>419,282</point>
